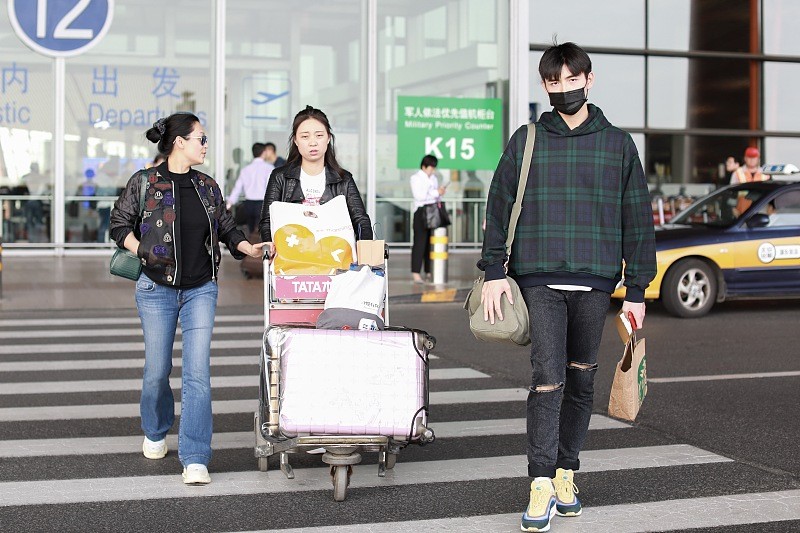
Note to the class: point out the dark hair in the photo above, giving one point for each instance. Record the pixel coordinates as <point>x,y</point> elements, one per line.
<point>166,130</point>
<point>330,154</point>
<point>271,145</point>
<point>559,55</point>
<point>429,161</point>
<point>258,149</point>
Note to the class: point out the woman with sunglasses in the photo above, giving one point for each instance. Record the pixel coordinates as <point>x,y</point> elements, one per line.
<point>175,229</point>
<point>312,176</point>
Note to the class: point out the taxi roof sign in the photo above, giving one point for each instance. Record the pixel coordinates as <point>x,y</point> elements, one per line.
<point>784,169</point>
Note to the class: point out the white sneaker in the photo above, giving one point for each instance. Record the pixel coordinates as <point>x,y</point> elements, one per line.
<point>154,449</point>
<point>196,474</point>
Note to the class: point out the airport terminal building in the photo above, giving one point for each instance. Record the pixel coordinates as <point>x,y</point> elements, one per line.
<point>694,81</point>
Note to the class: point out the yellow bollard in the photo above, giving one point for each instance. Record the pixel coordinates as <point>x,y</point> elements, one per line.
<point>438,255</point>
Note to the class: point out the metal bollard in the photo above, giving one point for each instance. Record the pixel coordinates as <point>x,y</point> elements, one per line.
<point>1,266</point>
<point>439,255</point>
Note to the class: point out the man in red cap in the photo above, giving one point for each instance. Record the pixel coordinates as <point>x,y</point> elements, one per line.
<point>751,171</point>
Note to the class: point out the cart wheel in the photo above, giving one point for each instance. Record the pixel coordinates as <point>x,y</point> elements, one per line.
<point>430,342</point>
<point>341,479</point>
<point>263,464</point>
<point>391,460</point>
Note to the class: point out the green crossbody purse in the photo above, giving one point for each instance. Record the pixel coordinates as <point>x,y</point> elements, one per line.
<point>125,263</point>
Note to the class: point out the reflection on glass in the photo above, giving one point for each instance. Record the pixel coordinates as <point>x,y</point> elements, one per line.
<point>668,24</point>
<point>778,150</point>
<point>722,209</point>
<point>588,22</point>
<point>781,112</point>
<point>111,103</point>
<point>667,92</point>
<point>26,140</point>
<point>780,23</point>
<point>453,49</point>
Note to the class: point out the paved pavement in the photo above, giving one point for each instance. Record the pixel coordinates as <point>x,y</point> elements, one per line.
<point>82,281</point>
<point>713,455</point>
<point>70,446</point>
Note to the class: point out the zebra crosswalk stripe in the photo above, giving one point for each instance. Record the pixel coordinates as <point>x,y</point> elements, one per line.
<point>217,382</point>
<point>671,515</point>
<point>244,439</point>
<point>124,410</point>
<point>228,483</point>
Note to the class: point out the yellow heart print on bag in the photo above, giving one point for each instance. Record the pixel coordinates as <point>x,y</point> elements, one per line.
<point>298,252</point>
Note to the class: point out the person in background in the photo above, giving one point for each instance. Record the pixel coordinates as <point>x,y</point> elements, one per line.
<point>106,182</point>
<point>585,210</point>
<point>273,157</point>
<point>157,160</point>
<point>751,171</point>
<point>252,182</point>
<point>38,185</point>
<point>731,164</point>
<point>426,190</point>
<point>177,240</point>
<point>312,176</point>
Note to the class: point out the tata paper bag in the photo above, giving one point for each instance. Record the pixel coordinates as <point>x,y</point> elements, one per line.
<point>312,239</point>
<point>630,380</point>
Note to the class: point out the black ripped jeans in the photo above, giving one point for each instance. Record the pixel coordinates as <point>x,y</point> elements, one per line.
<point>566,328</point>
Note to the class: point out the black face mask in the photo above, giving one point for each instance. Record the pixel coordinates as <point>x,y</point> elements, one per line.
<point>569,102</point>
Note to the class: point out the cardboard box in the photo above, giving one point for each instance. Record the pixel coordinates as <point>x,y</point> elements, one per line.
<point>371,252</point>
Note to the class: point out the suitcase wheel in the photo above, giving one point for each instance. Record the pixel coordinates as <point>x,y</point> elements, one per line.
<point>430,342</point>
<point>341,480</point>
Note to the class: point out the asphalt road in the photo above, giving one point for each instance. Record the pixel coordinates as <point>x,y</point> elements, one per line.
<point>715,451</point>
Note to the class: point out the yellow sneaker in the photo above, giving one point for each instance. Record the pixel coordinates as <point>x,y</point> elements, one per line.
<point>542,507</point>
<point>567,503</point>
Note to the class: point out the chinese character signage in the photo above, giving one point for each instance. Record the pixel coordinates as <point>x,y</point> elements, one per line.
<point>116,99</point>
<point>463,133</point>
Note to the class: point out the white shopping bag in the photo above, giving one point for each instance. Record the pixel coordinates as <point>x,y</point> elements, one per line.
<point>355,300</point>
<point>316,239</point>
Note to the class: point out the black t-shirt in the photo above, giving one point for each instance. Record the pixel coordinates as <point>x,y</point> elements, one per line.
<point>194,265</point>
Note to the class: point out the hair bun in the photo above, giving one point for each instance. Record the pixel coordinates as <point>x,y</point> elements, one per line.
<point>160,125</point>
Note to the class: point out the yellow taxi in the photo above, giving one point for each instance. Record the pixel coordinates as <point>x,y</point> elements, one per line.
<point>740,241</point>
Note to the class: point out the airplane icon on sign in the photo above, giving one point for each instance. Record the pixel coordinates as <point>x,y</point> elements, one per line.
<point>268,97</point>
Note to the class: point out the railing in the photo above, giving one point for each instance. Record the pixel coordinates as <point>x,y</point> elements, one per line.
<point>22,228</point>
<point>395,217</point>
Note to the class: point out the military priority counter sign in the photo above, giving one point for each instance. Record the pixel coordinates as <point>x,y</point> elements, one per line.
<point>463,133</point>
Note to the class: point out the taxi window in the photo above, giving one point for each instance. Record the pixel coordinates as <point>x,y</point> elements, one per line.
<point>723,208</point>
<point>784,209</point>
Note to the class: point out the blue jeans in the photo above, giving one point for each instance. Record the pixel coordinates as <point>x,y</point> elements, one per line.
<point>566,328</point>
<point>160,308</point>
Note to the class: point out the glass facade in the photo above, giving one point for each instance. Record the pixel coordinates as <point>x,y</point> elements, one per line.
<point>693,81</point>
<point>26,141</point>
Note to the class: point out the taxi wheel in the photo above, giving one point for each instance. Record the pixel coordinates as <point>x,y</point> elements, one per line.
<point>689,289</point>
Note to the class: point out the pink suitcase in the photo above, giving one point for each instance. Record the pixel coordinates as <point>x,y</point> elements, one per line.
<point>352,382</point>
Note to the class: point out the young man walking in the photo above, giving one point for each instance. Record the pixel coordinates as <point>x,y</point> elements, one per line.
<point>586,208</point>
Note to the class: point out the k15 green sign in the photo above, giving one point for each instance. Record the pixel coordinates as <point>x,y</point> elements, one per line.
<point>463,133</point>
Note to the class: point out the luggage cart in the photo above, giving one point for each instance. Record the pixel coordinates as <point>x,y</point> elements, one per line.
<point>292,302</point>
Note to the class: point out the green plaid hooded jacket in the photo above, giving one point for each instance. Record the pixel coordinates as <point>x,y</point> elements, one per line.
<point>586,209</point>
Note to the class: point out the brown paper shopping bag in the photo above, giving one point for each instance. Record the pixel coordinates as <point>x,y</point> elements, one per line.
<point>630,381</point>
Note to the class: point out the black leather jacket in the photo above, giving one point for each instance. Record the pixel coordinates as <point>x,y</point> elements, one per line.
<point>158,231</point>
<point>284,186</point>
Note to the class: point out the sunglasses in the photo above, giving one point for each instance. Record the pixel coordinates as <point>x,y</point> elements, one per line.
<point>203,139</point>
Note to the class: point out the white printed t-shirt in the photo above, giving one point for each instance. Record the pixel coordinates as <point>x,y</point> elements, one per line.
<point>312,186</point>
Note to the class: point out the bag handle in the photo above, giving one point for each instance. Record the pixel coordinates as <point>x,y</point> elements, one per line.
<point>523,181</point>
